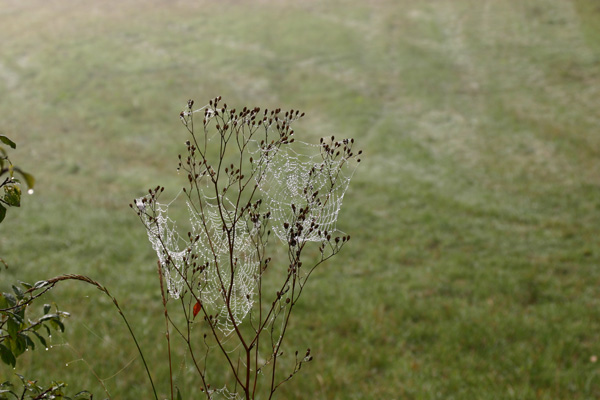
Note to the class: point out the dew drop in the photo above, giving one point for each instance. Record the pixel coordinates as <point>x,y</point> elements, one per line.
<point>30,191</point>
<point>46,349</point>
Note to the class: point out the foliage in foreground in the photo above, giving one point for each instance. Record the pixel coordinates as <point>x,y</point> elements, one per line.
<point>11,187</point>
<point>18,328</point>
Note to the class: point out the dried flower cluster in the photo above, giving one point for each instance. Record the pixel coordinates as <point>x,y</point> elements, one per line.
<point>246,177</point>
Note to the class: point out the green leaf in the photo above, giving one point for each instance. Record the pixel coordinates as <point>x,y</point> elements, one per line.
<point>84,394</point>
<point>29,343</point>
<point>19,314</point>
<point>12,195</point>
<point>7,356</point>
<point>29,179</point>
<point>178,394</point>
<point>26,285</point>
<point>40,284</point>
<point>7,391</point>
<point>34,328</point>
<point>47,308</point>
<point>12,327</point>
<point>18,292</point>
<point>41,339</point>
<point>10,299</point>
<point>49,317</point>
<point>2,212</point>
<point>57,324</point>
<point>20,345</point>
<point>7,141</point>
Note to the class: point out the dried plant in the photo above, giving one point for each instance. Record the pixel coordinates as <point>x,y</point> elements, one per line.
<point>248,181</point>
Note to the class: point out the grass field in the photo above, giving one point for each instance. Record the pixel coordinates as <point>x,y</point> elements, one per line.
<point>474,266</point>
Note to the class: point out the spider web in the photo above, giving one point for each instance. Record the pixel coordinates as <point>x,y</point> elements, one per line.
<point>301,176</point>
<point>227,274</point>
<point>291,177</point>
<point>225,394</point>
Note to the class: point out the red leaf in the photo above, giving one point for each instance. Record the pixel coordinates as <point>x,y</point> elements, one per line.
<point>197,308</point>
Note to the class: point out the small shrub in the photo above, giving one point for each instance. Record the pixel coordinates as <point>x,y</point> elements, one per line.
<point>249,184</point>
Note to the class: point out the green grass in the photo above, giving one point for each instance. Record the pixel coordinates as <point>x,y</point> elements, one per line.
<point>473,270</point>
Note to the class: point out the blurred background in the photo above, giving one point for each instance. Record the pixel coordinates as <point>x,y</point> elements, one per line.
<point>473,270</point>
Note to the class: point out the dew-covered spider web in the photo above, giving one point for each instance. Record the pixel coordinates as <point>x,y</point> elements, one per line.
<point>302,176</point>
<point>224,394</point>
<point>226,274</point>
<point>291,177</point>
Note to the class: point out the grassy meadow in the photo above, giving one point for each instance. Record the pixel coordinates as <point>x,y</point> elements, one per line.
<point>474,266</point>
